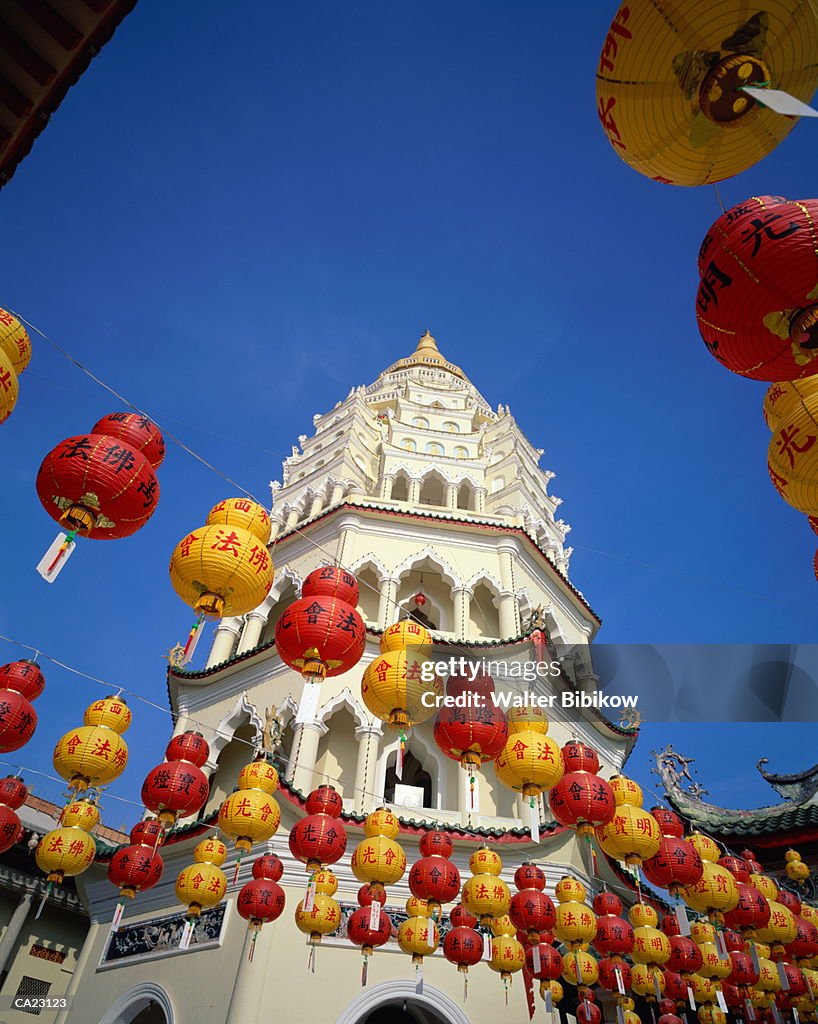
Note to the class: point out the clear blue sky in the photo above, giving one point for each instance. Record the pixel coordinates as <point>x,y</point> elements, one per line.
<point>236,218</point>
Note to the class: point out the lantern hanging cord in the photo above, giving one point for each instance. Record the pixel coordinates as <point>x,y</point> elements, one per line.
<point>294,529</point>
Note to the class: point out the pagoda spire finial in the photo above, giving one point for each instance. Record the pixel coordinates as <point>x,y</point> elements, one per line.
<point>426,342</point>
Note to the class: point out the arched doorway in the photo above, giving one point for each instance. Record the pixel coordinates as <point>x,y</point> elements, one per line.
<point>146,1003</point>
<point>397,1002</point>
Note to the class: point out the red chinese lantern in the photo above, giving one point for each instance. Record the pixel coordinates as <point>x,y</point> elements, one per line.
<point>434,878</point>
<point>614,935</point>
<point>685,955</point>
<point>96,486</point>
<point>261,899</point>
<point>580,757</point>
<point>752,862</point>
<point>615,975</point>
<point>736,866</point>
<point>25,677</point>
<point>135,868</point>
<point>755,306</point>
<point>319,838</point>
<point>670,925</point>
<point>320,634</point>
<point>676,863</point>
<point>744,974</point>
<point>531,910</point>
<point>751,913</point>
<point>805,944</point>
<point>331,581</point>
<point>137,431</point>
<point>676,988</point>
<point>473,731</point>
<point>178,787</point>
<point>583,801</point>
<point>789,900</point>
<point>463,944</point>
<point>148,832</point>
<point>369,926</point>
<point>325,800</point>
<point>587,1011</point>
<point>13,793</point>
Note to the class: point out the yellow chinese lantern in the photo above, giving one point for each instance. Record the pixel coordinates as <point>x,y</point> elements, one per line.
<point>318,914</point>
<point>711,1014</point>
<point>574,923</point>
<point>15,353</point>
<point>250,814</point>
<point>706,847</point>
<point>797,870</point>
<point>780,929</point>
<point>531,762</point>
<point>712,965</point>
<point>792,459</point>
<point>393,686</point>
<point>241,512</point>
<point>507,953</point>
<point>9,387</point>
<point>715,892</point>
<point>765,885</point>
<point>650,945</point>
<point>580,968</point>
<point>485,894</point>
<point>704,989</point>
<point>95,754</point>
<point>418,934</point>
<point>406,633</point>
<point>632,835</point>
<point>647,980</point>
<point>784,397</point>
<point>202,884</point>
<point>378,859</point>
<point>670,84</point>
<point>527,720</point>
<point>70,849</point>
<point>768,979</point>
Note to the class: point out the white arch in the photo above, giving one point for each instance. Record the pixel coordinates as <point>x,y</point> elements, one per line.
<point>243,708</point>
<point>468,478</point>
<point>446,571</point>
<point>344,699</point>
<point>430,753</point>
<point>485,577</point>
<point>137,999</point>
<point>446,475</point>
<point>370,560</point>
<point>395,992</point>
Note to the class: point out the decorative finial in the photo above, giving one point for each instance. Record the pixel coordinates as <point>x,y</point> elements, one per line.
<point>175,656</point>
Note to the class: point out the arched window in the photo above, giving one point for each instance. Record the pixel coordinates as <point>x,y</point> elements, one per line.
<point>400,488</point>
<point>420,421</point>
<point>408,445</point>
<point>368,589</point>
<point>465,496</point>
<point>288,594</point>
<point>497,484</point>
<point>414,777</point>
<point>337,754</point>
<point>432,491</point>
<point>460,452</point>
<point>484,618</point>
<point>452,427</point>
<point>433,448</point>
<point>237,753</point>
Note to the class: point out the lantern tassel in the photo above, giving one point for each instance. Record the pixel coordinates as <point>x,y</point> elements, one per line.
<point>187,934</point>
<point>192,640</point>
<point>51,564</point>
<point>311,959</point>
<point>419,979</point>
<point>534,816</point>
<point>401,755</point>
<point>505,986</point>
<point>252,949</point>
<point>115,921</point>
<point>465,986</point>
<point>309,895</point>
<point>42,902</point>
<point>238,867</point>
<point>364,971</point>
<point>471,791</point>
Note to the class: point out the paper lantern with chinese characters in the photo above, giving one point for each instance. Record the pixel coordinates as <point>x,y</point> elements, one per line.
<point>756,304</point>
<point>69,850</point>
<point>98,486</point>
<point>531,910</point>
<point>581,799</point>
<point>318,839</point>
<point>632,834</point>
<point>714,893</point>
<point>685,955</point>
<point>13,794</point>
<point>136,867</point>
<point>580,968</point>
<point>544,964</point>
<point>670,84</point>
<point>418,934</point>
<point>648,981</point>
<point>24,677</point>
<point>320,916</point>
<point>15,353</point>
<point>203,884</point>
<point>507,953</point>
<point>178,787</point>
<point>262,899</point>
<point>251,814</point>
<point>736,866</point>
<point>780,929</point>
<point>588,1012</point>
<point>320,634</point>
<point>434,878</point>
<point>797,871</point>
<point>529,762</point>
<point>462,944</point>
<point>378,859</point>
<point>752,911</point>
<point>95,754</point>
<point>20,683</point>
<point>784,398</point>
<point>614,935</point>
<point>650,945</point>
<point>789,900</point>
<point>393,686</point>
<point>242,512</point>
<point>485,894</point>
<point>221,570</point>
<point>677,862</point>
<point>713,966</point>
<point>472,733</point>
<point>574,922</point>
<point>135,430</point>
<point>614,976</point>
<point>368,927</point>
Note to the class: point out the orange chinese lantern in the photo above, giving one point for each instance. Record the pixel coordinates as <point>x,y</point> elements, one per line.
<point>223,568</point>
<point>95,754</point>
<point>15,353</point>
<point>393,686</point>
<point>201,885</point>
<point>251,813</point>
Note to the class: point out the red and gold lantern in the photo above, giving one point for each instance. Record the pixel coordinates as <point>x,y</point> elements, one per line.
<point>320,838</point>
<point>261,899</point>
<point>378,859</point>
<point>201,885</point>
<point>95,754</point>
<point>462,944</point>
<point>251,813</point>
<point>531,910</point>
<point>13,794</point>
<point>178,787</point>
<point>136,867</point>
<point>485,894</point>
<point>434,878</point>
<point>632,834</point>
<point>581,799</point>
<point>369,926</point>
<point>676,863</point>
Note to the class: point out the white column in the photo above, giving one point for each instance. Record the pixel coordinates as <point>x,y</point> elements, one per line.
<point>276,523</point>
<point>78,977</point>
<point>480,499</point>
<point>369,737</point>
<point>506,605</point>
<point>254,623</point>
<point>414,491</point>
<point>292,518</point>
<point>317,505</point>
<point>304,754</point>
<point>337,493</point>
<point>224,641</point>
<point>451,496</point>
<point>388,602</point>
<point>462,604</point>
<point>14,927</point>
<point>387,482</point>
